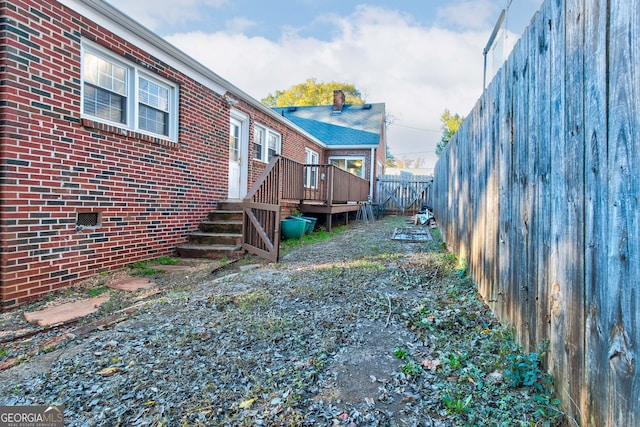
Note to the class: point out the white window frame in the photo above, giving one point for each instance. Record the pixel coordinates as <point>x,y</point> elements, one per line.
<point>259,140</point>
<point>133,75</point>
<point>311,173</point>
<point>269,136</point>
<point>350,158</point>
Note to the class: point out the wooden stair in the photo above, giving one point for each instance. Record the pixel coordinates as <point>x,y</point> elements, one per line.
<point>219,236</point>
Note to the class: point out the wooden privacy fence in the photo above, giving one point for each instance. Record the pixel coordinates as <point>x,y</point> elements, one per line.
<point>403,194</point>
<point>538,191</point>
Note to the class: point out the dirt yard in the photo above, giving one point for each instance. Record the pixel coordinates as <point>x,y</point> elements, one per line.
<point>356,330</point>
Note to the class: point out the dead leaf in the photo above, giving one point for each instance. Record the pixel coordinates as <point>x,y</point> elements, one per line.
<point>107,372</point>
<point>431,364</point>
<point>246,403</point>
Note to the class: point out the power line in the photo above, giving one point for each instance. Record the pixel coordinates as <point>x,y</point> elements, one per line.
<point>412,127</point>
<point>414,152</point>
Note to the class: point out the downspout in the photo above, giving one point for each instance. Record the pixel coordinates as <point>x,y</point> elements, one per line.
<point>373,160</point>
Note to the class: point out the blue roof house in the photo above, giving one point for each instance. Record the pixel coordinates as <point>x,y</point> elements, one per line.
<point>354,135</point>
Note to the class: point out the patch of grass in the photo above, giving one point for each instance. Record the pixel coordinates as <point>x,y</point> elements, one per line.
<point>244,302</point>
<point>98,291</point>
<point>369,264</point>
<point>4,352</point>
<point>145,268</point>
<point>315,237</point>
<point>146,271</point>
<point>165,260</point>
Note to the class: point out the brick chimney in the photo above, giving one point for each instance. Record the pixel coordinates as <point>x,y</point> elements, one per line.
<point>338,100</point>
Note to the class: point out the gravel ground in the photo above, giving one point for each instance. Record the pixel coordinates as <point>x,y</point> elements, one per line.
<point>357,330</point>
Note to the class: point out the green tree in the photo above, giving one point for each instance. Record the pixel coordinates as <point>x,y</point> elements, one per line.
<point>450,125</point>
<point>312,92</point>
<point>391,160</point>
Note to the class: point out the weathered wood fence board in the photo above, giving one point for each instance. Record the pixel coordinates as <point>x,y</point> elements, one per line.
<point>596,209</point>
<point>622,327</point>
<point>538,192</point>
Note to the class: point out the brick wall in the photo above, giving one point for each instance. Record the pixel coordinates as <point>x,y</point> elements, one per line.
<point>293,143</point>
<point>150,193</point>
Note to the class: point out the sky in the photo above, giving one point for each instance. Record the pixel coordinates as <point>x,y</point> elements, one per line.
<point>419,57</point>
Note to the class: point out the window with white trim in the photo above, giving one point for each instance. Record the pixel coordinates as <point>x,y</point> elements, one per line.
<point>259,136</point>
<point>266,143</point>
<point>355,165</point>
<point>123,94</point>
<point>311,172</point>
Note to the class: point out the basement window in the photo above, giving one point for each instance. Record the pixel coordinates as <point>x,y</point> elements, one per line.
<point>88,220</point>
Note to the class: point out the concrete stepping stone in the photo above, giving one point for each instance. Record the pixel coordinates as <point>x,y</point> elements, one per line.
<point>65,312</point>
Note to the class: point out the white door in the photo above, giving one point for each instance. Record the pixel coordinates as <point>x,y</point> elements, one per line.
<point>235,159</point>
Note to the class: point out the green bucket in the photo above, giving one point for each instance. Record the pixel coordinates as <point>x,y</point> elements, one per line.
<point>292,228</point>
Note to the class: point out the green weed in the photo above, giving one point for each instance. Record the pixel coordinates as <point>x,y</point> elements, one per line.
<point>166,260</point>
<point>98,291</point>
<point>524,369</point>
<point>455,405</point>
<point>454,361</point>
<point>400,353</point>
<point>411,368</point>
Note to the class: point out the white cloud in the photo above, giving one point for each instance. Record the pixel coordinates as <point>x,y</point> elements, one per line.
<point>471,14</point>
<point>159,13</point>
<point>239,24</point>
<point>417,72</point>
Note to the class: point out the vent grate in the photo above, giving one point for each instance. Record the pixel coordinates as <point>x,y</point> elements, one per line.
<point>88,219</point>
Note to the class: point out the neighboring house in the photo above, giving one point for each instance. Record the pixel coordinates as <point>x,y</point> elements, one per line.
<point>409,171</point>
<point>354,135</point>
<point>114,144</point>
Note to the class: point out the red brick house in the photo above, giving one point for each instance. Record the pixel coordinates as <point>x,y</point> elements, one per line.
<point>114,144</point>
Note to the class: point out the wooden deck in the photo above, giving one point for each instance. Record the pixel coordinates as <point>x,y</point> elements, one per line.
<point>316,189</point>
<point>329,210</point>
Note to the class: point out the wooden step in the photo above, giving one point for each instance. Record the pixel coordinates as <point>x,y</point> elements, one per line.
<point>224,215</point>
<point>221,226</point>
<point>204,238</point>
<point>209,251</point>
<point>229,205</point>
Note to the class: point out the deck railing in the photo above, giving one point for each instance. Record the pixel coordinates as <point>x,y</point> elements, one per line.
<point>285,179</point>
<point>329,185</point>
